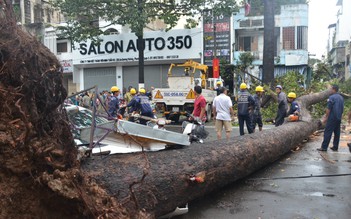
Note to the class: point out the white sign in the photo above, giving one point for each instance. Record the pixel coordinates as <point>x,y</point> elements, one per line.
<point>175,94</point>
<point>159,45</point>
<point>67,66</point>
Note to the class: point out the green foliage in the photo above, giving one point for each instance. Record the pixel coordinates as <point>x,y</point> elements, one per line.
<point>346,89</point>
<point>323,72</point>
<point>82,14</point>
<point>294,82</point>
<point>291,82</point>
<point>321,79</point>
<point>270,111</point>
<point>245,60</point>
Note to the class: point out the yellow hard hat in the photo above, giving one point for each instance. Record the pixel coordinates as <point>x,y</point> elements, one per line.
<point>219,82</point>
<point>292,95</point>
<point>114,89</point>
<point>132,91</point>
<point>142,91</point>
<point>243,86</point>
<point>259,88</point>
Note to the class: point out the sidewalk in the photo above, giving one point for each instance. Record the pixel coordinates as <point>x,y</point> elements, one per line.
<point>303,184</point>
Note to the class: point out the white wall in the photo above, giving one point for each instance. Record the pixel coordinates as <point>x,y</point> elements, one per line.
<point>344,22</point>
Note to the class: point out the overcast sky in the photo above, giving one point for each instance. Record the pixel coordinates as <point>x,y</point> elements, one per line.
<point>322,13</point>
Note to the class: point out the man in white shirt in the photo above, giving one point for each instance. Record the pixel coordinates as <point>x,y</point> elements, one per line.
<point>223,113</point>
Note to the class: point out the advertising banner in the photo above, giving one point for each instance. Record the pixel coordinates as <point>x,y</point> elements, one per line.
<point>216,38</point>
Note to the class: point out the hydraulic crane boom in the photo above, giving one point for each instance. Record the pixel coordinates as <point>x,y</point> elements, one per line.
<point>191,65</point>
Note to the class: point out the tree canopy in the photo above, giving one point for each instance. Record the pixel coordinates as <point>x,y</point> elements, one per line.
<point>81,15</point>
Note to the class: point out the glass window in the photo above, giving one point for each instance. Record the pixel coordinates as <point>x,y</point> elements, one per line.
<point>302,37</point>
<point>289,38</point>
<point>62,47</point>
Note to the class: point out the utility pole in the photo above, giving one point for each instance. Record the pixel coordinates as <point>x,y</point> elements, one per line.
<point>141,46</point>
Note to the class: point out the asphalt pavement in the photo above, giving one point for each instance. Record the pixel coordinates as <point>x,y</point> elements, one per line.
<point>304,183</point>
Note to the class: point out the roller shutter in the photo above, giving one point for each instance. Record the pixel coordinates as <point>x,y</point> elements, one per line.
<point>104,78</point>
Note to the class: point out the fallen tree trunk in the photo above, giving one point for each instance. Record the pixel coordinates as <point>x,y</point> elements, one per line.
<point>158,182</point>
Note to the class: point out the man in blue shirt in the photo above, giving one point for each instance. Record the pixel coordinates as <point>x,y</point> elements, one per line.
<point>141,103</point>
<point>245,104</point>
<point>256,114</point>
<point>333,117</point>
<point>113,105</point>
<point>294,111</point>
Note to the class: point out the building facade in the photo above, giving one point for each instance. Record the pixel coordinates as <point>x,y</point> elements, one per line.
<point>34,15</point>
<point>291,37</point>
<point>115,60</point>
<point>339,40</point>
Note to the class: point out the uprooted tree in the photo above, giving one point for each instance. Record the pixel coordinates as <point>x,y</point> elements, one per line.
<point>39,173</point>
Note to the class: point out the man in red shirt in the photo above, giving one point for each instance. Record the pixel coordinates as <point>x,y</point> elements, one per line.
<point>199,104</point>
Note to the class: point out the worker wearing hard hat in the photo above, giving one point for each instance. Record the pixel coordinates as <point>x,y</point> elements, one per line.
<point>142,104</point>
<point>245,103</point>
<point>131,106</point>
<point>218,87</point>
<point>128,96</point>
<point>113,105</point>
<point>294,111</point>
<point>256,115</point>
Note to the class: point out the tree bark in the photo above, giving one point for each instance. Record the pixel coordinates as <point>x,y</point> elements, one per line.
<point>159,181</point>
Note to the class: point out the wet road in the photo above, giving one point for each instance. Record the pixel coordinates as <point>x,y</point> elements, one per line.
<point>302,184</point>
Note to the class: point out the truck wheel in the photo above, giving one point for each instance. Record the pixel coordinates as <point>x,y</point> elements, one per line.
<point>209,113</point>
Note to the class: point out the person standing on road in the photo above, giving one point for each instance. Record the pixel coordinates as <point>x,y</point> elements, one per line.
<point>86,100</point>
<point>332,118</point>
<point>218,87</point>
<point>113,105</point>
<point>132,103</point>
<point>282,106</point>
<point>257,115</point>
<point>245,104</point>
<point>223,113</point>
<point>199,104</point>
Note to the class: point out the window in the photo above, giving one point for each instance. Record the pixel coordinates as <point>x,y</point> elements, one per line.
<point>248,43</point>
<point>27,12</point>
<point>289,38</point>
<point>302,38</point>
<point>292,41</point>
<point>38,14</point>
<point>61,47</point>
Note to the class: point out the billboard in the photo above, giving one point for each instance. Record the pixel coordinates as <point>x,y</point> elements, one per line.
<point>159,46</point>
<point>216,31</point>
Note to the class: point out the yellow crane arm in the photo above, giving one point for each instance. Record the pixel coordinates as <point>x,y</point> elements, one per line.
<point>188,65</point>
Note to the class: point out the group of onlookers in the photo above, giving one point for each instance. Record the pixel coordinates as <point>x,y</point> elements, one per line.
<point>86,99</point>
<point>249,109</point>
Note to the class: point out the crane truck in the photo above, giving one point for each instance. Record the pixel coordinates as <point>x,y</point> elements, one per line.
<point>178,99</point>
